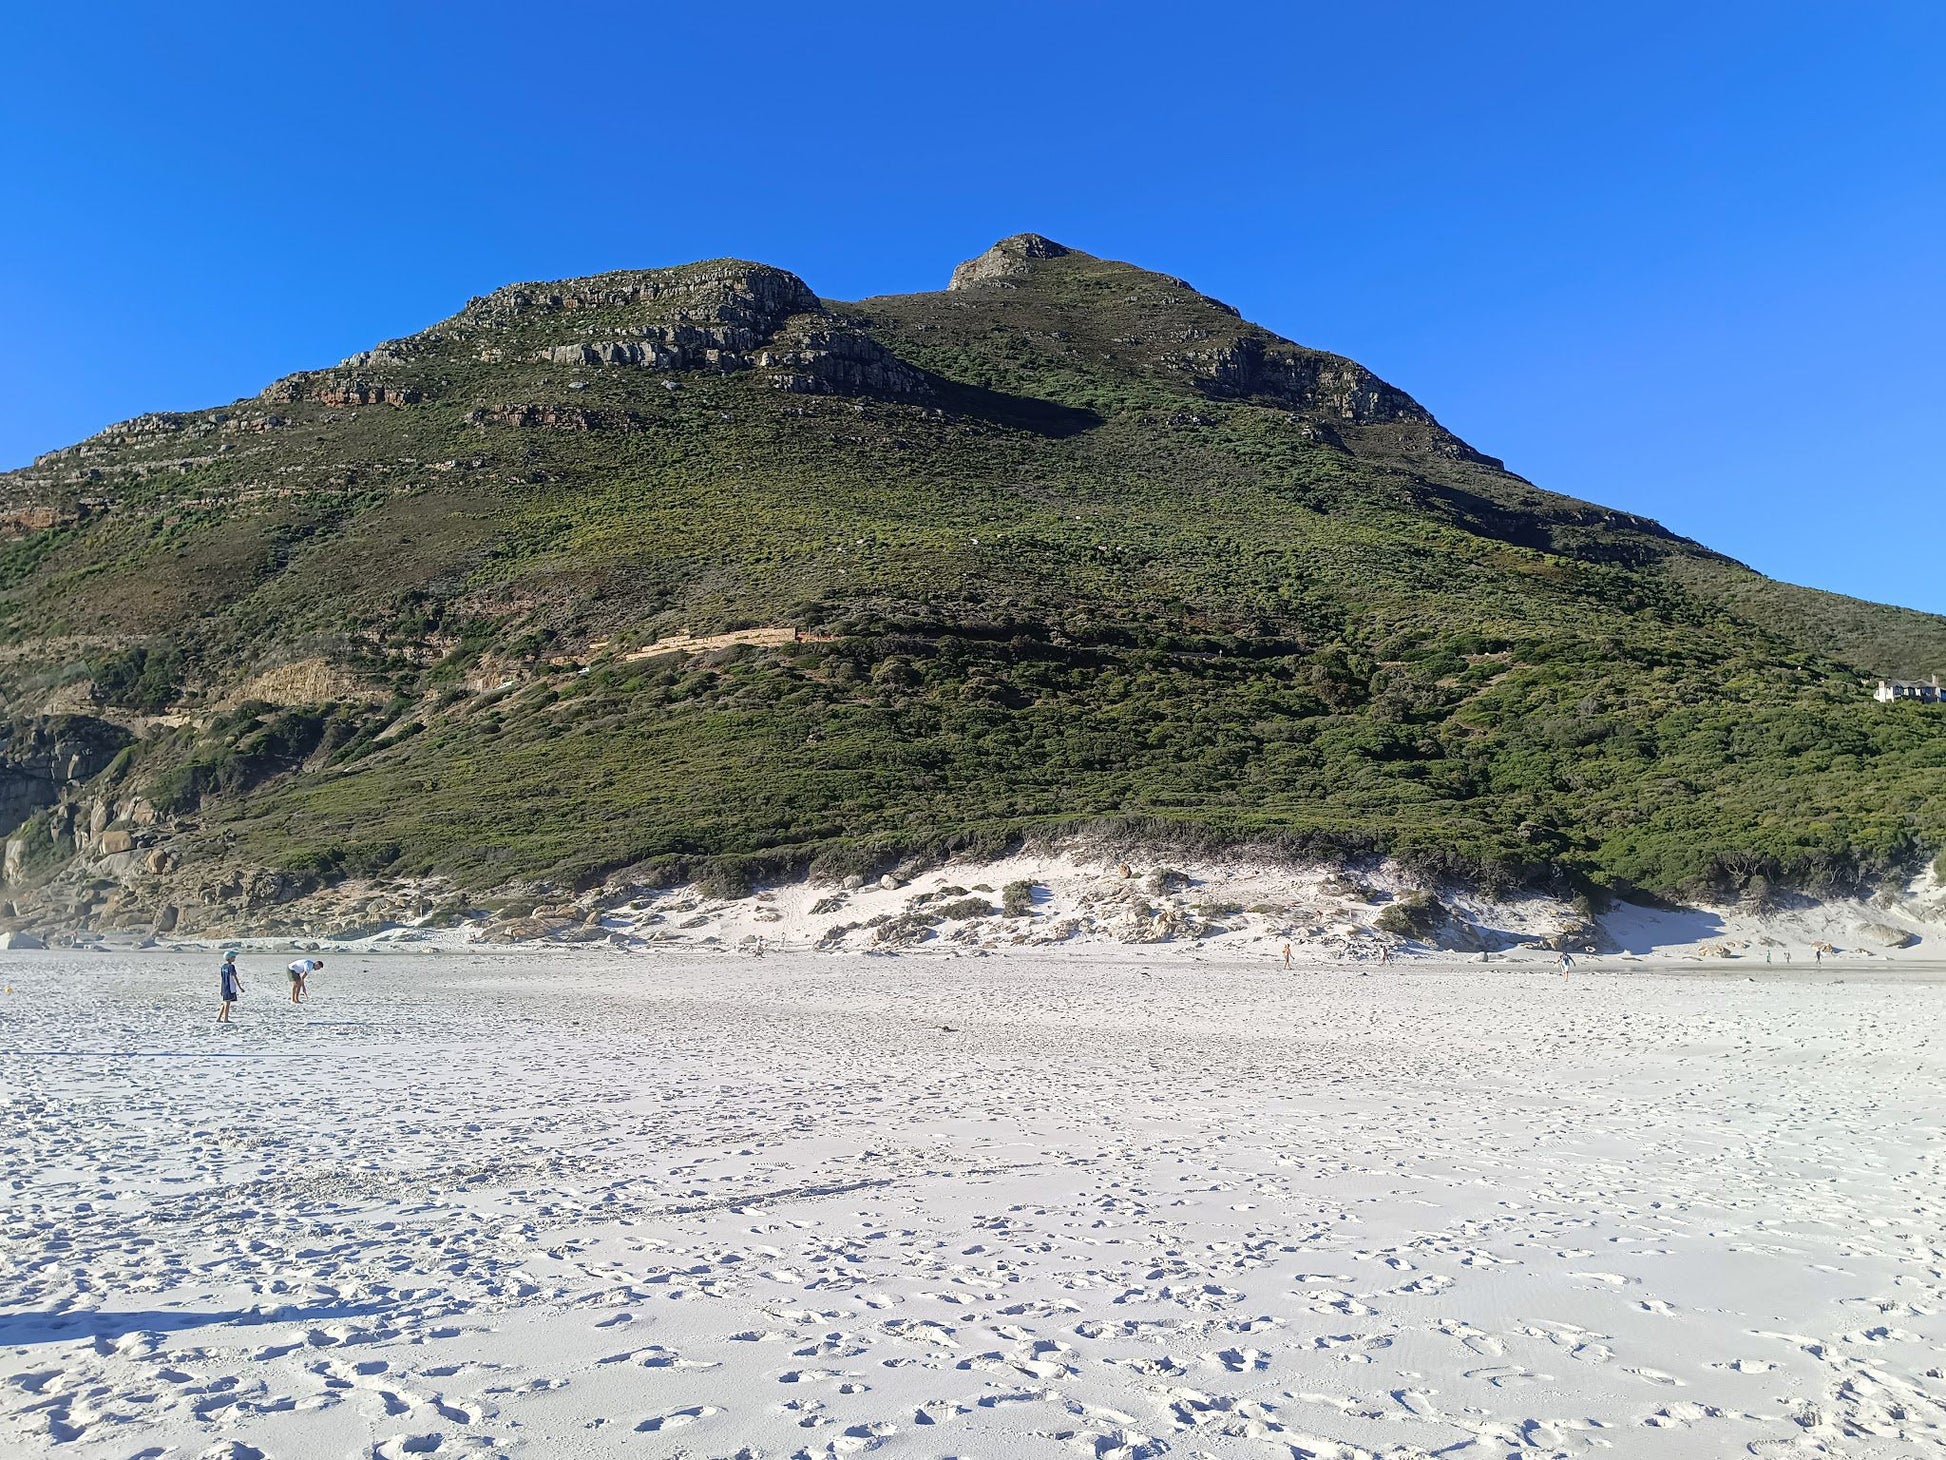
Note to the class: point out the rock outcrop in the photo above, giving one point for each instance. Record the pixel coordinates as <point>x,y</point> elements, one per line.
<point>43,758</point>
<point>727,292</point>
<point>341,390</point>
<point>552,418</point>
<point>832,360</point>
<point>1006,262</point>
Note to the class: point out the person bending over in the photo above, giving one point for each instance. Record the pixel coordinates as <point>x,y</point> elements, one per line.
<point>301,972</point>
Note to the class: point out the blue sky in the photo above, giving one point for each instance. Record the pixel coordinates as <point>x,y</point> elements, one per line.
<point>1682,259</point>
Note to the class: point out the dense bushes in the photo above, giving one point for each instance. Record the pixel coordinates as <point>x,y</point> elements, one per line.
<point>143,677</point>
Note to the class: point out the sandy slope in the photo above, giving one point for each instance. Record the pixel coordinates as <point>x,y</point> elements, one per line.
<point>670,1204</point>
<point>1105,899</point>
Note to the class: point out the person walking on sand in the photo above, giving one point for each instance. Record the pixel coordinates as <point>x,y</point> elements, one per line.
<point>228,987</point>
<point>1287,955</point>
<point>1567,962</point>
<point>1817,957</point>
<point>301,972</point>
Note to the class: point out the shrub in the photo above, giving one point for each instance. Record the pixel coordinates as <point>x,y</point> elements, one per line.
<point>838,860</point>
<point>1017,899</point>
<point>907,928</point>
<point>965,907</point>
<point>145,678</point>
<point>1417,915</point>
<point>43,849</point>
<point>726,880</point>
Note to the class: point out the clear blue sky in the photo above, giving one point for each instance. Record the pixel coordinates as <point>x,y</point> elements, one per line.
<point>1684,259</point>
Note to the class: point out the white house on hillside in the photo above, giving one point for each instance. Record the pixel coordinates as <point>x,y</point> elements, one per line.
<point>1926,693</point>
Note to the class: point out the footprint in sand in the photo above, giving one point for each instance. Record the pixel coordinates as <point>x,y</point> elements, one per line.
<point>834,1346</point>
<point>676,1419</point>
<point>1239,1360</point>
<point>1162,1367</point>
<point>1475,1340</point>
<point>937,1411</point>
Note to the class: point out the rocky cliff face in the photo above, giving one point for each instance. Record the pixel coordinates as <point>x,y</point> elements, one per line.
<point>721,318</point>
<point>45,759</point>
<point>47,765</point>
<point>1006,262</point>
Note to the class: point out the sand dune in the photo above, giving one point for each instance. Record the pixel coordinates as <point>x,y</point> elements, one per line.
<point>1025,1205</point>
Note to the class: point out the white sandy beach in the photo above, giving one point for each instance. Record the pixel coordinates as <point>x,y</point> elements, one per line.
<point>1032,1204</point>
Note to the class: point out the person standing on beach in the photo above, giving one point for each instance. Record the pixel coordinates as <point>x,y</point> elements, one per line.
<point>300,972</point>
<point>1567,962</point>
<point>228,987</point>
<point>1287,955</point>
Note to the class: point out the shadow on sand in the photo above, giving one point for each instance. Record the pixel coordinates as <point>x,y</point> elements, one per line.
<point>80,1325</point>
<point>1632,928</point>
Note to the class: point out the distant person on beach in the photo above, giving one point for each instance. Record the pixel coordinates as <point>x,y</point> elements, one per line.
<point>301,972</point>
<point>1817,956</point>
<point>1287,955</point>
<point>1567,962</point>
<point>228,987</point>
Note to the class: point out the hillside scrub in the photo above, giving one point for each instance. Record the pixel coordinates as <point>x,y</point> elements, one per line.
<point>1074,550</point>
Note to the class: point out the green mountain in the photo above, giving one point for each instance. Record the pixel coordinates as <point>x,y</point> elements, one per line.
<point>690,568</point>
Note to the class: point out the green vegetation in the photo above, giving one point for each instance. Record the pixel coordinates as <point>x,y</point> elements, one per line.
<point>1129,563</point>
<point>144,677</point>
<point>1416,915</point>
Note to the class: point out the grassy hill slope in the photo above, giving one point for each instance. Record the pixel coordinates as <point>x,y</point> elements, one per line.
<point>1064,544</point>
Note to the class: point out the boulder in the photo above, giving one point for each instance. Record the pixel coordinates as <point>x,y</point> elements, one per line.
<point>117,840</point>
<point>20,940</point>
<point>1574,937</point>
<point>1885,935</point>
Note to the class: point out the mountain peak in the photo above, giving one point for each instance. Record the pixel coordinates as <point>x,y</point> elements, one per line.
<point>1006,261</point>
